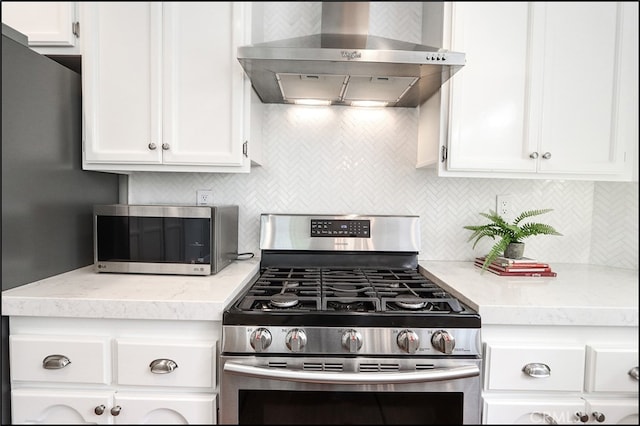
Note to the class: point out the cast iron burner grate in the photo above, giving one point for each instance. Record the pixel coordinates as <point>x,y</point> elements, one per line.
<point>346,290</point>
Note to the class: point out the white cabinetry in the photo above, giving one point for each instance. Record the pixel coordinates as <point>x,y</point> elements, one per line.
<point>113,371</point>
<point>52,27</point>
<point>549,90</point>
<point>560,374</point>
<point>163,90</point>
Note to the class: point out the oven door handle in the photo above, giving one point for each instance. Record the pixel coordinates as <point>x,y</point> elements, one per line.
<point>338,378</point>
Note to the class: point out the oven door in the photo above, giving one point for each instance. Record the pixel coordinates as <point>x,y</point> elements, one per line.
<point>310,390</point>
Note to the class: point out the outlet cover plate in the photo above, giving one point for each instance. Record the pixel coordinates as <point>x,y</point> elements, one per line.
<point>204,197</point>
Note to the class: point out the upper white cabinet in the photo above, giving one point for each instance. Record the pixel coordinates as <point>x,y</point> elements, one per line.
<point>549,90</point>
<point>163,90</point>
<point>52,27</point>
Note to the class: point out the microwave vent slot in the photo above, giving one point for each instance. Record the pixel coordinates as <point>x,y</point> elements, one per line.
<point>273,364</point>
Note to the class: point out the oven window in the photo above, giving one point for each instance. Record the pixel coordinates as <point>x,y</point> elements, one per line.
<point>332,408</point>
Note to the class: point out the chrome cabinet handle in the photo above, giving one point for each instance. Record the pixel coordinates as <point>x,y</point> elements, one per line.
<point>634,373</point>
<point>99,409</point>
<point>152,146</point>
<point>598,416</point>
<point>162,366</point>
<point>537,370</point>
<point>546,155</point>
<point>116,410</point>
<point>55,362</point>
<point>582,416</point>
<point>533,155</point>
<point>165,146</point>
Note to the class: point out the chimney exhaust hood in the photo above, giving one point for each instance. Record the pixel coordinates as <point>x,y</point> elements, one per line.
<point>344,65</point>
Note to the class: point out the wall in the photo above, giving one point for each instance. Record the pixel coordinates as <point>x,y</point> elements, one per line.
<point>47,198</point>
<point>348,160</point>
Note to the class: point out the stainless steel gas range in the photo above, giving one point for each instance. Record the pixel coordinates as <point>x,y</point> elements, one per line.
<point>341,328</point>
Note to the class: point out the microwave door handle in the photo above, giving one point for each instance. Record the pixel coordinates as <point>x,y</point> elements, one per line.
<point>437,374</point>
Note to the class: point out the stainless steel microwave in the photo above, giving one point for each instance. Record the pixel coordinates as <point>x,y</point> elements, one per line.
<point>162,239</point>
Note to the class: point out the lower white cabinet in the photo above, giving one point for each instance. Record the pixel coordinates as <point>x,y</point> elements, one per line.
<point>53,406</point>
<point>530,409</point>
<point>612,410</point>
<point>69,371</point>
<point>563,375</point>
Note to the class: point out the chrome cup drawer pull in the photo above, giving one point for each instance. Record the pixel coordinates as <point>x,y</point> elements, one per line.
<point>537,370</point>
<point>55,362</point>
<point>162,366</point>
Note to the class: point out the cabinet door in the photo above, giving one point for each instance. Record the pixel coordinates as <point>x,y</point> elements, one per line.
<point>576,59</point>
<point>536,99</point>
<point>164,409</point>
<point>55,406</point>
<point>531,410</point>
<point>613,411</point>
<point>488,105</point>
<point>121,83</point>
<point>203,84</point>
<point>45,23</point>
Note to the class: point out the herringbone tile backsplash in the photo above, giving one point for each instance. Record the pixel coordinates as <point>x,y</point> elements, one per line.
<point>347,160</point>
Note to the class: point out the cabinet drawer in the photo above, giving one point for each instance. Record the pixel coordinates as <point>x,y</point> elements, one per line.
<point>183,364</point>
<point>608,369</point>
<point>507,361</point>
<point>87,356</point>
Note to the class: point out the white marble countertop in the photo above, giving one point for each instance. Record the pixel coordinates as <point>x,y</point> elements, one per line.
<point>583,295</point>
<point>84,293</point>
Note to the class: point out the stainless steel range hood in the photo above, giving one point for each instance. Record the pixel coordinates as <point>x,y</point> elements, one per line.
<point>344,65</point>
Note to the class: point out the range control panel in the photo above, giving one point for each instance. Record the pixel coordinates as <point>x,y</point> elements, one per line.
<point>340,228</point>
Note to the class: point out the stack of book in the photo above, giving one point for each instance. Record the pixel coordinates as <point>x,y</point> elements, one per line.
<point>523,267</point>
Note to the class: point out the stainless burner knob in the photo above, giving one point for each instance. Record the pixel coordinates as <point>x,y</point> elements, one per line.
<point>443,341</point>
<point>296,340</point>
<point>260,339</point>
<point>408,341</point>
<point>352,340</point>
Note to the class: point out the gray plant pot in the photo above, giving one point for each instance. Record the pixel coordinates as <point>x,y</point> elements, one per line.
<point>514,251</point>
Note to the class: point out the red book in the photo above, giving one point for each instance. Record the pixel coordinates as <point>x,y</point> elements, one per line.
<point>548,273</point>
<point>540,267</point>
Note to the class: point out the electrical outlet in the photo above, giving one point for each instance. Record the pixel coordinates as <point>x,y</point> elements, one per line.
<point>503,205</point>
<point>204,197</point>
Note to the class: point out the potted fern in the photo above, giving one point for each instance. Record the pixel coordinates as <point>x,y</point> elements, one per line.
<point>511,234</point>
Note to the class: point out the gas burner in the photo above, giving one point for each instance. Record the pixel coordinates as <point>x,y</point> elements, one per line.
<point>410,304</point>
<point>284,300</point>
